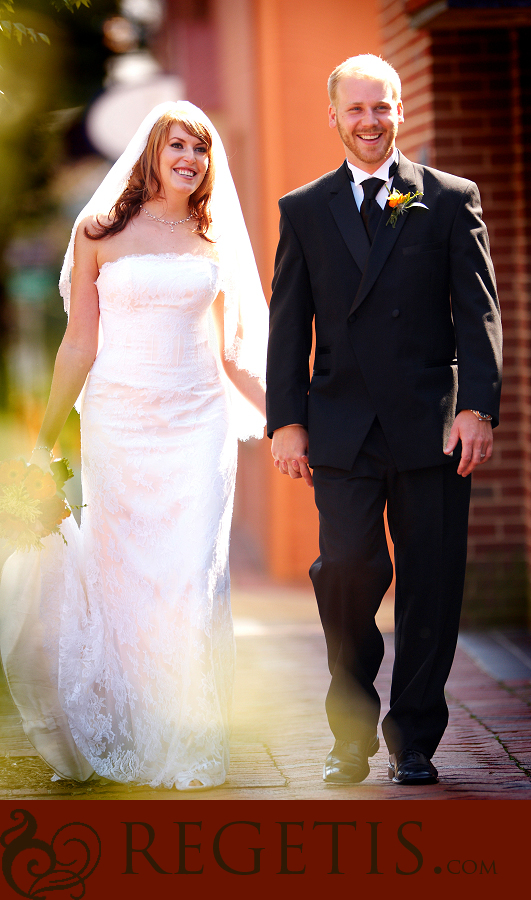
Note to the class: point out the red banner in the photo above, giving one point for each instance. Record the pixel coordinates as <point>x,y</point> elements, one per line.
<point>142,849</point>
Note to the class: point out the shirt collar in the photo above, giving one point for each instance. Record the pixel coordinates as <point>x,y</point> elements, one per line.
<point>359,175</point>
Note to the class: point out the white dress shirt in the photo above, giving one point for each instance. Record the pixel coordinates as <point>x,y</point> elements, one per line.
<point>359,175</point>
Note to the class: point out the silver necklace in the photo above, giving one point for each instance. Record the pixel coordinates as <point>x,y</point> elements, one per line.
<point>165,222</point>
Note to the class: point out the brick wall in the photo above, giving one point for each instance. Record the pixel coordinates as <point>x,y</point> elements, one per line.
<point>410,53</point>
<point>467,91</point>
<point>478,126</point>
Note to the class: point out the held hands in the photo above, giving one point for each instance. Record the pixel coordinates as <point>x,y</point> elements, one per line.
<point>290,452</point>
<point>476,441</point>
<point>289,446</point>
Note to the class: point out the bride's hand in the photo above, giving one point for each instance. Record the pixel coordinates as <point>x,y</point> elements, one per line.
<point>42,457</point>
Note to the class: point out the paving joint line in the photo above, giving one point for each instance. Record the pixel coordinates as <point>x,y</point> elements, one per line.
<point>287,781</point>
<point>513,759</point>
<point>513,692</point>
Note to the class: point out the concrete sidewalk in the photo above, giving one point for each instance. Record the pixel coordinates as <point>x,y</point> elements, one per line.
<point>281,736</point>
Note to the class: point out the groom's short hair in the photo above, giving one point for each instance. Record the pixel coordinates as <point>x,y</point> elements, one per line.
<point>366,65</point>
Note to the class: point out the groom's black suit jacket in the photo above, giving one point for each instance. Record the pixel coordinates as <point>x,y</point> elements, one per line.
<point>407,330</point>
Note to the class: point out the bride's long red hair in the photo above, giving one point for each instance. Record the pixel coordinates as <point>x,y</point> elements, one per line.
<point>145,181</point>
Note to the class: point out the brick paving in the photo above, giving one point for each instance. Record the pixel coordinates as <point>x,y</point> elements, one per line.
<point>281,736</point>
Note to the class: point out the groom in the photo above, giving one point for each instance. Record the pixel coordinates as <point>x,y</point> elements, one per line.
<point>399,411</point>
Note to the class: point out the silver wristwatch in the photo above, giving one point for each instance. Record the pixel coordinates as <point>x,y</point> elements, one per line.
<point>483,417</point>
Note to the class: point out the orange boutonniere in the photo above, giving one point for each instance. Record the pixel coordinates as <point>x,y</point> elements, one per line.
<point>32,502</point>
<point>400,203</point>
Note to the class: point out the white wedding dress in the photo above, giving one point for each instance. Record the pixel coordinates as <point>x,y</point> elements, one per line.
<point>118,648</point>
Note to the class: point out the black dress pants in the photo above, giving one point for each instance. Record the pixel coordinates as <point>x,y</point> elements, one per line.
<point>427,511</point>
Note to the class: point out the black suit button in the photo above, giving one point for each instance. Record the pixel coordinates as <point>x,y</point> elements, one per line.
<point>395,313</point>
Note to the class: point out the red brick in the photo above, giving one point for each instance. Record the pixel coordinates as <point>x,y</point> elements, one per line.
<point>497,511</point>
<point>475,530</point>
<point>514,529</point>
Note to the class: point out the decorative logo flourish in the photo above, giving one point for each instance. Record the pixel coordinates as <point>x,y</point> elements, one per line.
<point>35,869</point>
<point>400,203</point>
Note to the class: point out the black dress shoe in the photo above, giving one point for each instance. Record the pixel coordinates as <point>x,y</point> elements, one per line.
<point>411,767</point>
<point>347,762</point>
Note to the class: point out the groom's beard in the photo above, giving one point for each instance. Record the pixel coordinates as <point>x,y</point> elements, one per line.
<point>371,155</point>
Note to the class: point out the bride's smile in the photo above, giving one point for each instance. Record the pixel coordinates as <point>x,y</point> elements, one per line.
<point>183,163</point>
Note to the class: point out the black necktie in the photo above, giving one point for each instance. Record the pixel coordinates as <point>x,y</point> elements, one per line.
<point>370,210</point>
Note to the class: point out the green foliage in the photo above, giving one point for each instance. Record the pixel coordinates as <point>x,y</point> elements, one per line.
<point>45,93</point>
<point>20,31</point>
<point>30,80</point>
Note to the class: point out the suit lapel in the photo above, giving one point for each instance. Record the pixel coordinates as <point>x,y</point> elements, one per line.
<point>386,236</point>
<point>348,220</point>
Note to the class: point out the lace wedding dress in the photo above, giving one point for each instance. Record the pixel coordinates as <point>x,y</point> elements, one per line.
<point>118,648</point>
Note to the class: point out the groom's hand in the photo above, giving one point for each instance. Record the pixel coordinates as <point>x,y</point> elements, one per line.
<point>290,452</point>
<point>476,441</point>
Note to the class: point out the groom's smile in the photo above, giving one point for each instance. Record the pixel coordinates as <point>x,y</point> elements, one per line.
<point>367,117</point>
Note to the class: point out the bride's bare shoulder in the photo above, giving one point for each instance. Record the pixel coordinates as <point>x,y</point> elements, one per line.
<point>91,226</point>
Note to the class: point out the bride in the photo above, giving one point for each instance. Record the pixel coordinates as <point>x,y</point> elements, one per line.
<point>118,648</point>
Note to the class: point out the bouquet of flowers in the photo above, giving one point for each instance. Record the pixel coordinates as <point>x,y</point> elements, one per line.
<point>32,502</point>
